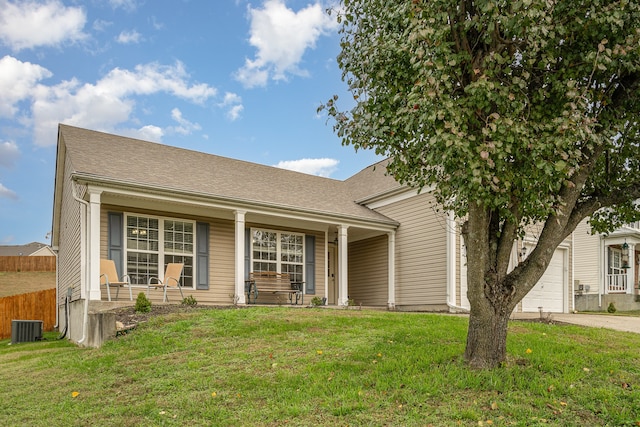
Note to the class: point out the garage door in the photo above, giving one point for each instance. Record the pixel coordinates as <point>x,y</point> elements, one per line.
<point>549,291</point>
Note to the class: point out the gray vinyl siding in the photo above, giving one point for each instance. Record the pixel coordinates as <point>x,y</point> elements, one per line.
<point>369,271</point>
<point>421,258</point>
<point>69,269</point>
<point>586,257</point>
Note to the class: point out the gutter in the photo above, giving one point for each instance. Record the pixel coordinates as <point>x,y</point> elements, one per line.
<point>232,203</point>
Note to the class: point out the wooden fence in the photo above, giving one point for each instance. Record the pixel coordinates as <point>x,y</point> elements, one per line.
<point>27,263</point>
<point>39,305</point>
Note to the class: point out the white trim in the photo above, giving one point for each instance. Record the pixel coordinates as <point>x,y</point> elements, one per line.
<point>395,198</point>
<point>278,262</point>
<point>326,265</point>
<point>451,239</point>
<point>94,243</point>
<point>343,266</point>
<point>391,245</point>
<point>168,195</point>
<point>240,295</point>
<point>161,251</point>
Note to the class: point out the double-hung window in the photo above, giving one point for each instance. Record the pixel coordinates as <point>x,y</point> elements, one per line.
<point>282,252</point>
<point>152,243</point>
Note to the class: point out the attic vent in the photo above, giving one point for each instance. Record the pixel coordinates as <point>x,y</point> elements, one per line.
<point>26,331</point>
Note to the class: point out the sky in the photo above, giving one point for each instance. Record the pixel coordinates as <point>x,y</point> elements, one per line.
<point>234,78</point>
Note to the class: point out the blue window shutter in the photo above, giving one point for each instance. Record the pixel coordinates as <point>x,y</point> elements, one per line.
<point>115,248</point>
<point>202,255</point>
<point>247,253</point>
<point>310,264</point>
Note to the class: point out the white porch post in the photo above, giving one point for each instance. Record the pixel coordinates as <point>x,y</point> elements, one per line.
<point>631,270</point>
<point>326,265</point>
<point>239,257</point>
<point>343,286</point>
<point>94,245</point>
<point>391,305</point>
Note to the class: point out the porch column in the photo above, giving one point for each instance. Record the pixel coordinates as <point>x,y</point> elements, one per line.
<point>239,257</point>
<point>94,245</point>
<point>343,265</point>
<point>631,270</point>
<point>391,305</point>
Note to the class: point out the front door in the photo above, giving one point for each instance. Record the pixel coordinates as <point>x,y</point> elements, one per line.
<point>332,274</point>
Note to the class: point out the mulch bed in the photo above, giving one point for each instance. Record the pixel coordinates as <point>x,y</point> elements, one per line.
<point>129,317</point>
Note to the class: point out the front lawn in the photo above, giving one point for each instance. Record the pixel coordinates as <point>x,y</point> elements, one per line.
<point>305,367</point>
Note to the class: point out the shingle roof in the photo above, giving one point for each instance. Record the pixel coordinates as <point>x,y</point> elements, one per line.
<point>136,162</point>
<point>372,180</point>
<point>21,250</point>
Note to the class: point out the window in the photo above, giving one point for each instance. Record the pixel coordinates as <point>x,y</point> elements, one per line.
<point>615,261</point>
<point>278,251</point>
<point>152,243</point>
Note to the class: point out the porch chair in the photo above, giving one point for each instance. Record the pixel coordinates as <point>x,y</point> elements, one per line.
<point>171,280</point>
<point>109,278</point>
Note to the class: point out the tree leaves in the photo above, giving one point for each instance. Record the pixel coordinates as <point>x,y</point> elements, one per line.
<point>495,101</point>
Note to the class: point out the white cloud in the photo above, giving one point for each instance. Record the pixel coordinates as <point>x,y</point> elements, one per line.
<point>17,82</point>
<point>128,5</point>
<point>146,133</point>
<point>129,37</point>
<point>231,98</point>
<point>27,24</point>
<point>101,25</point>
<point>321,167</point>
<point>234,112</point>
<point>110,101</point>
<point>6,193</point>
<point>9,153</point>
<point>281,37</point>
<point>233,102</point>
<point>185,126</point>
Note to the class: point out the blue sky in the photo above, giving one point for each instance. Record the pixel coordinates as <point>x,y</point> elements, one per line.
<point>235,78</point>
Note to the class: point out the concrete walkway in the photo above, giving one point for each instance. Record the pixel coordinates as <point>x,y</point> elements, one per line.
<point>619,323</point>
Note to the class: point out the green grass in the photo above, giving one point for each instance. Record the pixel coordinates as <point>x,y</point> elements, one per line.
<point>306,367</point>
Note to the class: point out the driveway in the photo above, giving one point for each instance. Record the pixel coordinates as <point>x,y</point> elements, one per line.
<point>619,323</point>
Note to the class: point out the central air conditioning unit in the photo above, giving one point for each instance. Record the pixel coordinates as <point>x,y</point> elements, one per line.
<point>26,331</point>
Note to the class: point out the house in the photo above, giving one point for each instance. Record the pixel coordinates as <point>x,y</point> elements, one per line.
<point>606,268</point>
<point>366,240</point>
<point>30,249</point>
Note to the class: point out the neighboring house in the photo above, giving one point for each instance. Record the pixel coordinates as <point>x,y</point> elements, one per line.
<point>30,249</point>
<point>606,268</point>
<point>366,240</point>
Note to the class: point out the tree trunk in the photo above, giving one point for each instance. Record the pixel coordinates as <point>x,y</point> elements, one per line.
<point>490,295</point>
<point>486,339</point>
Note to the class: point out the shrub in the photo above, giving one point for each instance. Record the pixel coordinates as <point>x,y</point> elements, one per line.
<point>611,308</point>
<point>316,301</point>
<point>190,301</point>
<point>143,305</point>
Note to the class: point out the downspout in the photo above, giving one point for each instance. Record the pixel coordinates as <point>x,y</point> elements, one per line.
<point>56,326</point>
<point>451,230</point>
<point>87,275</point>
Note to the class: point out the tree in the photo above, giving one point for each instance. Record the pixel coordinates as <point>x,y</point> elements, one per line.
<point>517,112</point>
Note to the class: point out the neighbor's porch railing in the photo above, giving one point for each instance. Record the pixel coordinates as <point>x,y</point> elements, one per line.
<point>617,283</point>
<point>635,225</point>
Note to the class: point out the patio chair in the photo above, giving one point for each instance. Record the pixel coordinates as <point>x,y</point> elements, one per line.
<point>109,278</point>
<point>171,280</point>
